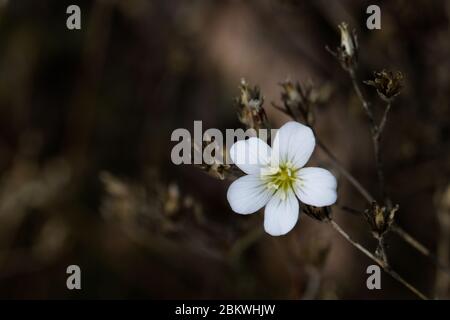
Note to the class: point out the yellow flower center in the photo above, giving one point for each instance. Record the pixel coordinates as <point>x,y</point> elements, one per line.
<point>282,177</point>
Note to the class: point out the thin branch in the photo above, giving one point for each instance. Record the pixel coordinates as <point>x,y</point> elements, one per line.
<point>364,102</point>
<point>381,263</point>
<point>376,142</point>
<point>383,119</point>
<point>409,239</point>
<point>379,167</point>
<point>381,250</point>
<point>442,284</point>
<point>420,247</point>
<point>376,133</point>
<point>344,171</point>
<point>397,229</point>
<point>286,112</point>
<point>350,210</point>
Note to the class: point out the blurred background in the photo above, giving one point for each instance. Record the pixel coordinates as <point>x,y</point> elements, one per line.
<point>86,118</point>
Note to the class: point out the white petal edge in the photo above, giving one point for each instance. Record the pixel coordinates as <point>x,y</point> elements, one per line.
<point>281,213</point>
<point>316,187</point>
<point>294,143</point>
<point>248,194</point>
<point>251,155</point>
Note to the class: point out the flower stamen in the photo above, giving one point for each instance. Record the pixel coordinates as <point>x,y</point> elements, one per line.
<point>280,178</point>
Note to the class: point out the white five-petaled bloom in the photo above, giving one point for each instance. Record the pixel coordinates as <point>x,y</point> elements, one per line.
<point>276,177</point>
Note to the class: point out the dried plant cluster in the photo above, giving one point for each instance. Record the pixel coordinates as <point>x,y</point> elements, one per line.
<point>85,170</point>
<point>299,103</point>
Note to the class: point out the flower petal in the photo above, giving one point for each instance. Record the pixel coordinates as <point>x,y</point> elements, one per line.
<point>250,155</point>
<point>316,187</point>
<point>281,213</point>
<point>293,143</point>
<point>248,194</point>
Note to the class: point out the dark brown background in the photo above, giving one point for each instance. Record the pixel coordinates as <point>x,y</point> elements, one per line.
<point>85,124</point>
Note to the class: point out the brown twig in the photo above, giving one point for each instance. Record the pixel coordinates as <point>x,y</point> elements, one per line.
<point>376,131</point>
<point>420,247</point>
<point>383,119</point>
<point>442,284</point>
<point>364,102</point>
<point>414,243</point>
<point>344,171</point>
<point>378,261</point>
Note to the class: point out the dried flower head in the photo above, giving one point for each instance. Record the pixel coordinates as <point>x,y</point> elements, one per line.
<point>318,213</point>
<point>380,218</point>
<point>249,106</point>
<point>388,84</point>
<point>300,101</point>
<point>217,169</point>
<point>347,52</point>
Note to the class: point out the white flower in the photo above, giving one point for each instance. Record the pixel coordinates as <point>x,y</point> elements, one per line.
<point>276,177</point>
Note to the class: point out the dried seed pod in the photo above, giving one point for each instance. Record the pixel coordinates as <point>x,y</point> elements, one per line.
<point>318,213</point>
<point>347,52</point>
<point>249,107</point>
<point>387,83</point>
<point>219,168</point>
<point>301,100</point>
<point>380,218</point>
